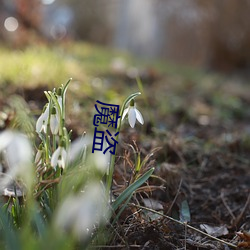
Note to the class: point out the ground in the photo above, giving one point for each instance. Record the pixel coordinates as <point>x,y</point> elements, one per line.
<point>197,124</point>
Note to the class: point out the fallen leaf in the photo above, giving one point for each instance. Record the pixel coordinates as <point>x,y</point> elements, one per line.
<point>215,231</point>
<point>185,212</point>
<point>155,205</point>
<point>152,204</point>
<point>245,236</point>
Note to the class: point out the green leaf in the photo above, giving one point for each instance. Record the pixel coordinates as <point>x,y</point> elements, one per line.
<point>10,236</point>
<point>184,212</point>
<point>129,190</point>
<point>65,87</point>
<point>122,209</point>
<point>112,165</point>
<point>39,222</point>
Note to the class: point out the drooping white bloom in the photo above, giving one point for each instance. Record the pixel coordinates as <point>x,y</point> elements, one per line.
<point>42,122</point>
<point>99,160</point>
<point>133,114</point>
<point>17,152</point>
<point>78,148</point>
<point>54,121</point>
<point>59,157</point>
<point>79,214</point>
<point>59,99</point>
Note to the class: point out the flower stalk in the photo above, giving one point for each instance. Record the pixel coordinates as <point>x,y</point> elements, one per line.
<point>112,162</point>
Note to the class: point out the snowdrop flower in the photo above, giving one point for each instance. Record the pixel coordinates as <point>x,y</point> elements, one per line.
<point>42,122</point>
<point>133,114</point>
<point>59,157</point>
<point>79,214</point>
<point>99,160</point>
<point>54,121</point>
<point>17,152</point>
<point>78,148</point>
<point>59,97</point>
<point>77,152</point>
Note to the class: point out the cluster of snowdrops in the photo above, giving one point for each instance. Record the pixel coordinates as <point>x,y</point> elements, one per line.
<point>66,189</point>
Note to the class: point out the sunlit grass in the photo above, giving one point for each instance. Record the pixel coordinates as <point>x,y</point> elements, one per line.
<point>37,65</point>
<point>181,97</point>
<point>94,77</point>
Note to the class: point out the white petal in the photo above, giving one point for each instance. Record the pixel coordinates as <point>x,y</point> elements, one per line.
<point>46,113</point>
<point>59,99</point>
<point>39,123</point>
<point>101,161</point>
<point>55,156</point>
<point>63,158</point>
<point>124,113</point>
<point>19,158</point>
<point>66,216</point>
<point>132,117</point>
<point>78,147</point>
<point>5,139</point>
<point>139,116</point>
<point>54,124</point>
<point>78,214</point>
<point>19,151</point>
<point>44,127</point>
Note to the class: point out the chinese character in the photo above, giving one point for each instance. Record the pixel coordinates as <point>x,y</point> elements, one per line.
<point>111,146</point>
<point>98,140</point>
<point>109,114</point>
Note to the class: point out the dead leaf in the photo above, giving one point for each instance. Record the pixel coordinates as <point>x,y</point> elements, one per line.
<point>215,231</point>
<point>245,236</point>
<point>152,204</point>
<point>155,205</point>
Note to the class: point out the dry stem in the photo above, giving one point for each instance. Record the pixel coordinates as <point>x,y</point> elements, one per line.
<point>184,224</point>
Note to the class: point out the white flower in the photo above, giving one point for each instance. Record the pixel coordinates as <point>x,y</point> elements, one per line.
<point>78,147</point>
<point>42,122</point>
<point>59,99</point>
<point>59,96</point>
<point>79,214</point>
<point>59,157</point>
<point>133,114</point>
<point>54,121</point>
<point>99,160</point>
<point>17,152</point>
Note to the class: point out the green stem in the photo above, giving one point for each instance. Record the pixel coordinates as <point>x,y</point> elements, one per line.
<point>65,87</point>
<point>112,163</point>
<point>54,142</point>
<point>47,137</point>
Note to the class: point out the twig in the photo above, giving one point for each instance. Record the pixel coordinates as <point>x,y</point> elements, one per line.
<point>227,207</point>
<point>185,241</point>
<point>175,198</point>
<point>239,217</point>
<point>184,224</point>
<point>116,246</point>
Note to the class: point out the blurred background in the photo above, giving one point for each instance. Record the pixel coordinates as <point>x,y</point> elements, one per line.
<point>211,34</point>
<point>193,60</point>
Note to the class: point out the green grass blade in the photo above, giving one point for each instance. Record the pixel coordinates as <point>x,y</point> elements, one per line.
<point>128,191</point>
<point>112,165</point>
<point>122,209</point>
<point>11,240</point>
